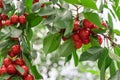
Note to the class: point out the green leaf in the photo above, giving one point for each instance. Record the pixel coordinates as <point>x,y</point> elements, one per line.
<point>93,17</point>
<point>25,45</point>
<point>18,68</point>
<point>35,7</point>
<point>76,59</point>
<point>46,11</point>
<point>89,4</point>
<point>116,76</point>
<point>103,63</point>
<point>117,55</point>
<point>73,1</point>
<point>117,2</point>
<point>85,47</point>
<point>5,76</point>
<point>51,42</point>
<point>15,33</point>
<point>68,58</point>
<point>63,20</point>
<point>48,20</point>
<point>28,4</point>
<point>117,32</point>
<point>118,12</point>
<point>91,54</point>
<point>36,73</point>
<point>66,48</point>
<point>16,78</point>
<point>104,59</point>
<point>112,69</point>
<point>94,41</point>
<point>33,20</point>
<point>110,24</point>
<point>99,31</point>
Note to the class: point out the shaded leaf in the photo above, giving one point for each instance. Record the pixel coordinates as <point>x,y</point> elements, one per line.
<point>89,4</point>
<point>51,42</point>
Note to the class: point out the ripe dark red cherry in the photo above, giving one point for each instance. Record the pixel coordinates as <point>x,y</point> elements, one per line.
<point>64,38</point>
<point>22,19</point>
<point>0,24</point>
<point>87,23</point>
<point>44,16</point>
<point>100,39</point>
<point>26,71</point>
<point>84,33</point>
<point>11,69</point>
<point>4,16</point>
<point>86,41</point>
<point>7,23</point>
<point>76,25</point>
<point>29,77</point>
<point>16,49</point>
<point>3,70</point>
<point>11,54</point>
<point>104,24</point>
<point>7,62</point>
<point>75,37</point>
<point>78,44</point>
<point>19,62</point>
<point>14,19</point>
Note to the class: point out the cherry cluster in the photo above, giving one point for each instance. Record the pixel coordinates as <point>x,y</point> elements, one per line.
<point>14,19</point>
<point>10,63</point>
<point>81,35</point>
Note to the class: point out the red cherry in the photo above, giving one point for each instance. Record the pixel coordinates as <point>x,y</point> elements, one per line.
<point>75,37</point>
<point>0,24</point>
<point>0,71</point>
<point>11,69</point>
<point>94,26</point>
<point>16,49</point>
<point>76,25</point>
<point>100,39</point>
<point>4,16</point>
<point>86,41</point>
<point>7,23</point>
<point>14,19</point>
<point>22,19</point>
<point>44,16</point>
<point>26,71</point>
<point>15,39</point>
<point>3,69</point>
<point>29,77</point>
<point>19,62</point>
<point>78,44</point>
<point>7,62</point>
<point>42,5</point>
<point>1,4</point>
<point>25,14</point>
<point>35,1</point>
<point>64,38</point>
<point>104,24</point>
<point>87,23</point>
<point>84,33</point>
<point>11,54</point>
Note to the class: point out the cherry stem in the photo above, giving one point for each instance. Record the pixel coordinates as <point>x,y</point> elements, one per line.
<point>110,39</point>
